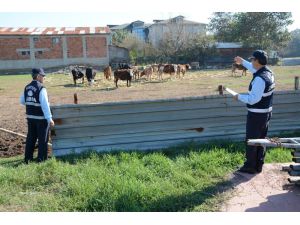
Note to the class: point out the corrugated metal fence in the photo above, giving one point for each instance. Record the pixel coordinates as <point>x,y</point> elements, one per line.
<point>157,124</point>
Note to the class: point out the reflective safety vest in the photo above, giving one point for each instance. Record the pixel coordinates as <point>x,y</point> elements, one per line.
<point>32,100</point>
<point>266,102</point>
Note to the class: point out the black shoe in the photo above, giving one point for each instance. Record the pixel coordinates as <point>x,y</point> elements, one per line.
<point>245,169</point>
<point>27,161</point>
<point>259,166</point>
<point>259,169</point>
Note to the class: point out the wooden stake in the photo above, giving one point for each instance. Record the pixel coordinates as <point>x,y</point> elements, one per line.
<point>221,89</point>
<point>17,134</point>
<point>12,132</point>
<point>75,99</point>
<point>296,83</point>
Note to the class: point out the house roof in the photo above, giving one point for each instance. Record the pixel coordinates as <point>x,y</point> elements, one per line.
<point>120,27</point>
<point>125,25</point>
<point>53,30</point>
<point>181,17</point>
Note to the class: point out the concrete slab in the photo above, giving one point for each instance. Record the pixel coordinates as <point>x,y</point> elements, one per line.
<point>268,191</point>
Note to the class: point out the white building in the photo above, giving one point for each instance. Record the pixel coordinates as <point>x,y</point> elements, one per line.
<point>174,27</point>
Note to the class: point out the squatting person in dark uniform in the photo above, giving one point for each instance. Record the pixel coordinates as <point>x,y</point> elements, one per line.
<point>259,103</point>
<point>39,118</point>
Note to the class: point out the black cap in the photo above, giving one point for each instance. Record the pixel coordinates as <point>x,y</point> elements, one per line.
<point>39,71</point>
<point>261,56</point>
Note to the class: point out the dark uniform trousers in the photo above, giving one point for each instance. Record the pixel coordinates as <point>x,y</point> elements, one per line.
<point>256,128</point>
<point>37,130</point>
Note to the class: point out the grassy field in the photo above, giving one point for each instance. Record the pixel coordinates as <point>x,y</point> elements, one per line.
<point>186,178</point>
<point>194,83</point>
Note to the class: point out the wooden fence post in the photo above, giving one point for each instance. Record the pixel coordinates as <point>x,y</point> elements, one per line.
<point>220,89</point>
<point>75,99</point>
<point>296,83</point>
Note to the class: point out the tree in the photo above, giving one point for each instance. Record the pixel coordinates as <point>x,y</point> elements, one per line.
<point>264,30</point>
<point>199,48</point>
<point>221,25</point>
<point>175,46</point>
<point>139,51</point>
<point>293,47</point>
<point>119,36</point>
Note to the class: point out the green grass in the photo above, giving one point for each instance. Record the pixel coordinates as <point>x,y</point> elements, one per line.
<point>184,178</point>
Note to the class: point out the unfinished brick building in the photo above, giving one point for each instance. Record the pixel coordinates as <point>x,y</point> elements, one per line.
<point>22,48</point>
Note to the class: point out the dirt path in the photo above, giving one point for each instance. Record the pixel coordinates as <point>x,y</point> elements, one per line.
<point>268,191</point>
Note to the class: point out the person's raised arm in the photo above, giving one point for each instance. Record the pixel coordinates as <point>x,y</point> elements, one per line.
<point>245,63</point>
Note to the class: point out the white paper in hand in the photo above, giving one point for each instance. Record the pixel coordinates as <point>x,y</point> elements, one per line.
<point>230,91</point>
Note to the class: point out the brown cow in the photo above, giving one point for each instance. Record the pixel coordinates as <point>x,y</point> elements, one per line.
<point>182,68</point>
<point>107,72</point>
<point>123,74</point>
<point>148,71</point>
<point>166,68</point>
<point>236,66</point>
<point>170,69</point>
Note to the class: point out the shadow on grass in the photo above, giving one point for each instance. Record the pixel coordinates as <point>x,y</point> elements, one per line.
<point>68,85</point>
<point>172,153</point>
<point>154,81</point>
<point>106,89</point>
<point>171,203</point>
<point>12,163</point>
<point>183,149</point>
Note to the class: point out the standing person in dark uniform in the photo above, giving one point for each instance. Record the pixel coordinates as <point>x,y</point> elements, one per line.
<point>259,102</point>
<point>39,118</point>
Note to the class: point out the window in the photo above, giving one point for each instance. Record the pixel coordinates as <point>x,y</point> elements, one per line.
<point>40,52</point>
<point>35,39</point>
<point>55,40</point>
<point>25,52</point>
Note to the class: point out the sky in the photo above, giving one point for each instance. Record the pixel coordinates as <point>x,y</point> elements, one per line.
<point>73,19</point>
<point>72,13</point>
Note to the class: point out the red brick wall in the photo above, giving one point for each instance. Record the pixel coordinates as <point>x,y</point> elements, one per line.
<point>53,50</point>
<point>75,49</point>
<point>96,47</point>
<point>8,47</point>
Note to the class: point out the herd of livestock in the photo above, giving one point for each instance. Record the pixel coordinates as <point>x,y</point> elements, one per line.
<point>128,73</point>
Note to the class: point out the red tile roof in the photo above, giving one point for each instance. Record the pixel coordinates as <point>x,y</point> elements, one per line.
<point>52,30</point>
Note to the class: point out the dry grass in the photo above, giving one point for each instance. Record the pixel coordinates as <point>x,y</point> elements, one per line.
<point>61,89</point>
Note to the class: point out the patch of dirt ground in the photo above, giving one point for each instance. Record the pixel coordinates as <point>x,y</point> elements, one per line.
<point>11,145</point>
<point>268,191</point>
